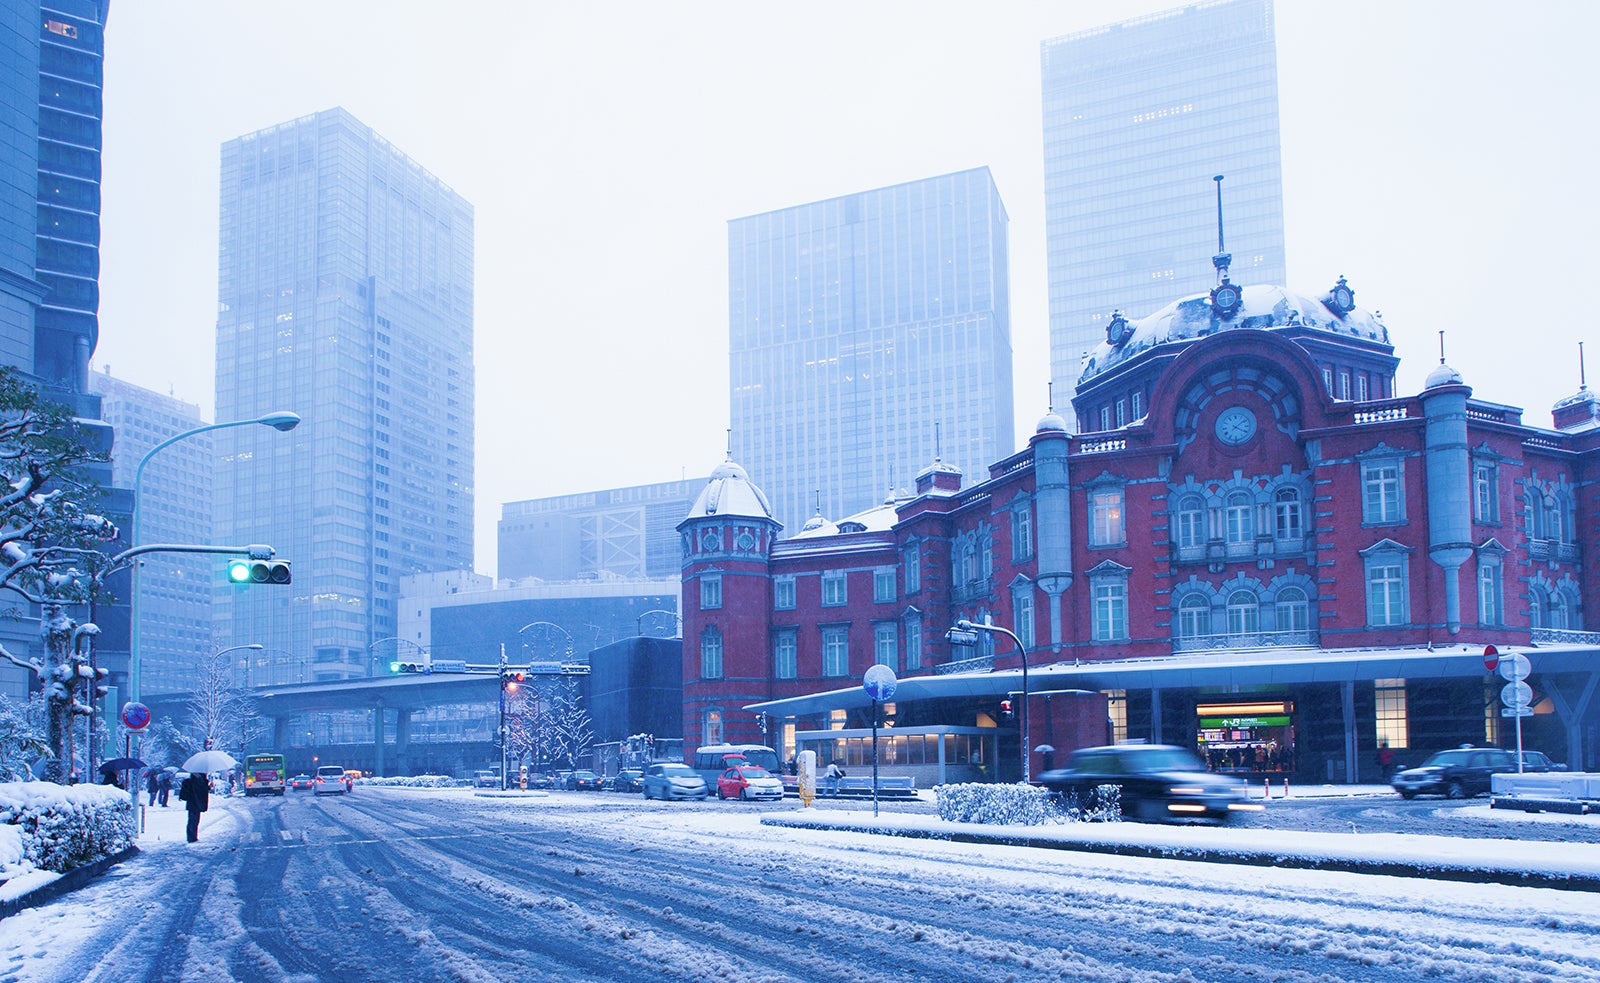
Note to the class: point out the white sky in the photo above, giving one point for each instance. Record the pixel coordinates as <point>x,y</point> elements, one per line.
<point>1438,153</point>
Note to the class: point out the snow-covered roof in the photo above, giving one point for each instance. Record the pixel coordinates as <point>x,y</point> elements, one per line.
<point>730,492</point>
<point>1262,308</point>
<point>879,518</point>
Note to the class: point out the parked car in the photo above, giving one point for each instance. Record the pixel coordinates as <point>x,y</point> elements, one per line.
<point>672,780</point>
<point>1539,761</point>
<point>331,780</point>
<point>1458,773</point>
<point>748,782</point>
<point>1158,782</point>
<point>485,779</point>
<point>301,781</point>
<point>628,780</point>
<point>584,781</point>
<point>541,781</point>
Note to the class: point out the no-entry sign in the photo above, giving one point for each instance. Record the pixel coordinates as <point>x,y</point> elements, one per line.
<point>1491,657</point>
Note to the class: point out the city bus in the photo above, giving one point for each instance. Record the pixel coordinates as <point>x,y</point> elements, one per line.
<point>264,774</point>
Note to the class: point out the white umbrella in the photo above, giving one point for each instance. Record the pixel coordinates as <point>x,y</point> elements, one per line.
<point>209,761</point>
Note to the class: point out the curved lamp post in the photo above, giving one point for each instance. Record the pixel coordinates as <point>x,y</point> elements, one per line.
<point>677,622</point>
<point>426,657</point>
<point>1022,653</point>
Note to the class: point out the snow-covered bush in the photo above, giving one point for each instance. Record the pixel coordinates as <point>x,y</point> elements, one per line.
<point>1103,806</point>
<point>65,826</point>
<point>416,781</point>
<point>1007,805</point>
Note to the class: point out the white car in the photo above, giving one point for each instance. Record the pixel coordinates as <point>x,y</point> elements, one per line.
<point>330,780</point>
<point>670,780</point>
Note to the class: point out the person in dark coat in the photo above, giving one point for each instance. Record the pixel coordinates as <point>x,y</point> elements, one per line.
<point>164,785</point>
<point>195,792</point>
<point>152,785</point>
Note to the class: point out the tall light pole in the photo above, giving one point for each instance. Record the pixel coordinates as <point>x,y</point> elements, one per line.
<point>281,422</point>
<point>424,653</point>
<point>971,626</point>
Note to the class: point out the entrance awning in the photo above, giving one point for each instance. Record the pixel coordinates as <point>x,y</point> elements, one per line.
<point>1203,670</point>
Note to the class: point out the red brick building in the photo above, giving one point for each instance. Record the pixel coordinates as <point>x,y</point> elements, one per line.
<point>1253,547</point>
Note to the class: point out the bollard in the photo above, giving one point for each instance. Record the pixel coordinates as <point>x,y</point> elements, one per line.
<point>1286,786</point>
<point>1266,788</point>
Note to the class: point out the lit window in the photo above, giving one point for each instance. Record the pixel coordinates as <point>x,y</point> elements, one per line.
<point>1389,703</point>
<point>1106,527</point>
<point>711,727</point>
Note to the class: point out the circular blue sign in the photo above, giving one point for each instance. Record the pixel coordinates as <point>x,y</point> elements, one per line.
<point>880,683</point>
<point>135,716</point>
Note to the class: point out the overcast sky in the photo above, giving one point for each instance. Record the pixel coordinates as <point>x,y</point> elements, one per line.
<point>1441,155</point>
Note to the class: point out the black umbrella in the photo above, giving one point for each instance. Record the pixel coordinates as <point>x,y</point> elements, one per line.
<point>123,764</point>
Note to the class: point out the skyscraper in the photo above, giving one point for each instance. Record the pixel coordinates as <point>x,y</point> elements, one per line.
<point>50,137</point>
<point>1138,118</point>
<point>868,336</point>
<point>345,295</point>
<point>174,588</point>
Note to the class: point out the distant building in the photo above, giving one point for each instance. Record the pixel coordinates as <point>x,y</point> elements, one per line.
<point>345,295</point>
<point>175,589</point>
<point>868,335</point>
<point>626,533</point>
<point>1138,117</point>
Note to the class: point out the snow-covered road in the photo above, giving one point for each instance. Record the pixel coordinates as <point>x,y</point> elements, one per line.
<point>414,885</point>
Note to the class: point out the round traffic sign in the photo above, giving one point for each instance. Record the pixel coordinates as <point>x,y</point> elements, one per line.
<point>1514,666</point>
<point>879,681</point>
<point>1491,657</point>
<point>1517,694</point>
<point>135,716</point>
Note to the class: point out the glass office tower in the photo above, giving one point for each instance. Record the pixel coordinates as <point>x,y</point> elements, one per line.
<point>868,335</point>
<point>1138,117</point>
<point>345,294</point>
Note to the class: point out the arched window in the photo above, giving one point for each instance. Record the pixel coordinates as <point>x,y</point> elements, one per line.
<point>1286,514</point>
<point>1538,608</point>
<point>1244,613</point>
<point>1294,613</point>
<point>1194,616</point>
<point>1559,610</point>
<point>1240,518</point>
<point>1191,523</point>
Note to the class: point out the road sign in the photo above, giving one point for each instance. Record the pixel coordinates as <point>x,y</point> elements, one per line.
<point>1514,666</point>
<point>1517,712</point>
<point>1517,694</point>
<point>135,716</point>
<point>880,683</point>
<point>1491,657</point>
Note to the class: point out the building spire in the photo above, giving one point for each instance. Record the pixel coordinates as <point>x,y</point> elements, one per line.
<point>730,443</point>
<point>1221,260</point>
<point>1583,379</point>
<point>1441,346</point>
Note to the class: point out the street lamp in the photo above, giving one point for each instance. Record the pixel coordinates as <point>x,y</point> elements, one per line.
<point>281,422</point>
<point>677,622</point>
<point>965,631</point>
<point>252,646</point>
<point>422,652</point>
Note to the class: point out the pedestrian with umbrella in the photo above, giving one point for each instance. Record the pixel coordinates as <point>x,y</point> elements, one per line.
<point>195,792</point>
<point>152,784</point>
<point>164,784</point>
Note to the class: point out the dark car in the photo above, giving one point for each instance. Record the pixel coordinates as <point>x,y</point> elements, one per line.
<point>541,781</point>
<point>1536,761</point>
<point>584,781</point>
<point>1455,774</point>
<point>301,781</point>
<point>628,780</point>
<point>1157,782</point>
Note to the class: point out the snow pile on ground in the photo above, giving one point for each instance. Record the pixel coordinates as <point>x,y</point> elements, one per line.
<point>416,781</point>
<point>1005,805</point>
<point>53,827</point>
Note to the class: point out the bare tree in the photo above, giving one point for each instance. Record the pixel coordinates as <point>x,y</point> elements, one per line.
<point>569,723</point>
<point>523,719</point>
<point>217,709</point>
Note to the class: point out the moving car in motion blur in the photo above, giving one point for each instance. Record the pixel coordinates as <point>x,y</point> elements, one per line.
<point>1459,773</point>
<point>1157,781</point>
<point>628,780</point>
<point>671,780</point>
<point>485,779</point>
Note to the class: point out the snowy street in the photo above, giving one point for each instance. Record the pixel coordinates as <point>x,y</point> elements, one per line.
<point>401,884</point>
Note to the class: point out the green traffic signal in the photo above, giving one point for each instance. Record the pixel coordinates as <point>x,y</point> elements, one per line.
<point>239,571</point>
<point>257,571</point>
<point>394,667</point>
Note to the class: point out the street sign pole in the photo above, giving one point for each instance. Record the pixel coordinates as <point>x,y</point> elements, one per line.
<point>1514,668</point>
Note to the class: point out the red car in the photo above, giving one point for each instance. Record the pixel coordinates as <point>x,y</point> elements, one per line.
<point>748,782</point>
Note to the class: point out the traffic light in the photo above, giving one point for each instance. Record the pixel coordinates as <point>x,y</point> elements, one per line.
<point>1005,709</point>
<point>259,572</point>
<point>512,678</point>
<point>405,667</point>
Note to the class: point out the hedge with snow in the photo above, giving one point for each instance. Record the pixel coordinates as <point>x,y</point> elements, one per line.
<point>1024,805</point>
<point>45,826</point>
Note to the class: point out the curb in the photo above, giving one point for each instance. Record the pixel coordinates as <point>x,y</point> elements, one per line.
<point>70,881</point>
<point>1441,872</point>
